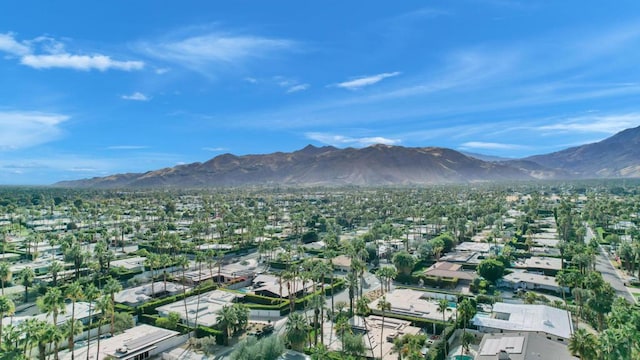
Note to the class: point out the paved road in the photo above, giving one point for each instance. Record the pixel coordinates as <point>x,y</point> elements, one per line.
<point>609,273</point>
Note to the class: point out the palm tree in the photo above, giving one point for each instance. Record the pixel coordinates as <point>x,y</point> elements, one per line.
<point>55,335</point>
<point>5,274</point>
<point>7,307</point>
<point>71,329</point>
<point>91,293</point>
<point>111,288</point>
<point>55,268</point>
<point>73,293</point>
<point>242,316</point>
<point>183,262</point>
<point>383,305</point>
<point>443,305</point>
<point>342,327</point>
<point>296,331</point>
<point>226,319</point>
<point>352,285</point>
<point>53,304</point>
<point>103,305</point>
<point>27,275</point>
<point>583,344</point>
<point>317,303</point>
<point>320,352</point>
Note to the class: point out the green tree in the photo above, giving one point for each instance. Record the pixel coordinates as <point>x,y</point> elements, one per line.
<point>27,276</point>
<point>91,293</point>
<point>7,307</point>
<point>296,331</point>
<point>5,274</point>
<point>353,345</point>
<point>584,345</point>
<point>491,269</point>
<point>111,287</point>
<point>226,320</point>
<point>74,293</point>
<point>404,262</point>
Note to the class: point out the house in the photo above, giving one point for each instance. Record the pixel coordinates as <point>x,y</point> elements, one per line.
<point>270,286</point>
<point>521,346</point>
<point>547,265</point>
<point>450,271</point>
<point>532,281</point>
<point>206,307</point>
<point>140,342</point>
<point>341,263</point>
<point>414,303</point>
<point>132,264</point>
<point>141,294</point>
<point>555,324</point>
<point>378,338</point>
<point>82,311</point>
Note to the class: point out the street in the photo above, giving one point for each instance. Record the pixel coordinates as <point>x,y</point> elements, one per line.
<point>608,271</point>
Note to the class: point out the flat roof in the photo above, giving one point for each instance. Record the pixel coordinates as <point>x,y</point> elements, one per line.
<point>143,293</point>
<point>413,303</point>
<point>524,317</point>
<point>532,278</point>
<point>522,346</point>
<point>207,308</point>
<point>540,262</point>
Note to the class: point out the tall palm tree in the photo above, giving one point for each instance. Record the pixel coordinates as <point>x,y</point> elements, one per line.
<point>583,344</point>
<point>27,276</point>
<point>296,331</point>
<point>91,293</point>
<point>52,302</point>
<point>112,287</point>
<point>74,293</point>
<point>383,306</point>
<point>183,262</point>
<point>443,305</point>
<point>5,274</point>
<point>7,307</point>
<point>317,303</point>
<point>71,329</point>
<point>103,305</point>
<point>55,269</point>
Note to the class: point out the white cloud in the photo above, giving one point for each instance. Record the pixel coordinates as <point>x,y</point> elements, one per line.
<point>79,62</point>
<point>127,147</point>
<point>10,45</point>
<point>251,80</point>
<point>341,140</point>
<point>214,149</point>
<point>136,96</point>
<point>23,129</point>
<point>297,88</point>
<point>46,53</point>
<point>365,81</point>
<point>607,124</point>
<point>162,71</point>
<point>201,51</point>
<point>490,146</point>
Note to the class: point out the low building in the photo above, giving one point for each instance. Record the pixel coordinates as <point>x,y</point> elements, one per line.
<point>378,338</point>
<point>554,323</point>
<point>532,281</point>
<point>206,308</point>
<point>273,286</point>
<point>341,263</point>
<point>141,294</point>
<point>447,270</point>
<point>521,346</point>
<point>131,264</point>
<point>407,302</point>
<point>548,265</point>
<point>138,343</point>
<point>83,312</point>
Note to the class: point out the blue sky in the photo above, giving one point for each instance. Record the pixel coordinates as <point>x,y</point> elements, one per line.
<point>96,88</point>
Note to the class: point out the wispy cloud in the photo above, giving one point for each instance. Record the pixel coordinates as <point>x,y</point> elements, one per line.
<point>490,146</point>
<point>127,147</point>
<point>47,53</point>
<point>136,96</point>
<point>214,149</point>
<point>23,129</point>
<point>361,82</point>
<point>341,140</point>
<point>297,88</point>
<point>201,52</point>
<point>79,62</point>
<point>10,45</point>
<point>606,124</point>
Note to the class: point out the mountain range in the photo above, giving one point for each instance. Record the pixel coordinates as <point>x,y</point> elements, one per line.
<point>615,157</point>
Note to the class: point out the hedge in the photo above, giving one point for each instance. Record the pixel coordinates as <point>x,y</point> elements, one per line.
<point>415,321</point>
<point>203,331</point>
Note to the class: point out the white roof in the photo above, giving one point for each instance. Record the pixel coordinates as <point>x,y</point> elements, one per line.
<point>523,317</point>
<point>209,305</point>
<point>531,278</point>
<point>143,293</point>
